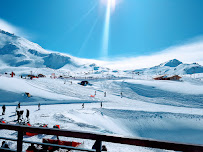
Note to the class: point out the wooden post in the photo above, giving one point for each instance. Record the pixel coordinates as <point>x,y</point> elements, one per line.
<point>20,141</point>
<point>98,145</point>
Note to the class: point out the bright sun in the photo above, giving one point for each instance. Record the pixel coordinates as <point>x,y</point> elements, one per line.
<point>111,3</point>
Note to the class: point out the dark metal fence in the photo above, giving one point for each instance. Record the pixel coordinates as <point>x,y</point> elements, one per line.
<point>98,137</point>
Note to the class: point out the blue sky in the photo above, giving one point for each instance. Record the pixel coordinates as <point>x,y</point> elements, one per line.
<point>76,27</point>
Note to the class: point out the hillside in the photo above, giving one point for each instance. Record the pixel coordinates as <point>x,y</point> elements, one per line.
<point>19,52</point>
<point>22,55</point>
<point>172,67</point>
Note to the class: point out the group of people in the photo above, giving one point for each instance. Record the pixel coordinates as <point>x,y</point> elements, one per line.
<point>19,112</point>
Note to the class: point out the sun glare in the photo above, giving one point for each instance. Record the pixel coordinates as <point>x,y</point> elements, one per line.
<point>111,3</point>
<point>110,8</point>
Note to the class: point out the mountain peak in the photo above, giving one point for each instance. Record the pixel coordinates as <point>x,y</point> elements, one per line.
<point>7,33</point>
<point>172,63</point>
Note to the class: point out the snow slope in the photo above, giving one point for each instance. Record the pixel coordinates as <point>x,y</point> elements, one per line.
<point>162,110</point>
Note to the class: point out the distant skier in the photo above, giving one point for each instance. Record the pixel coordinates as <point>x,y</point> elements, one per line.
<point>3,109</point>
<point>121,94</point>
<point>104,94</point>
<point>12,74</point>
<point>71,82</point>
<point>101,104</point>
<point>19,105</point>
<point>83,105</point>
<point>39,106</point>
<point>27,114</point>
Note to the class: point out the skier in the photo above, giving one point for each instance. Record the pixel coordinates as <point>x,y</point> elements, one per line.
<point>83,105</point>
<point>39,106</point>
<point>121,95</point>
<point>104,94</point>
<point>12,74</point>
<point>19,105</point>
<point>3,109</point>
<point>71,82</point>
<point>18,115</point>
<point>27,114</point>
<point>101,104</point>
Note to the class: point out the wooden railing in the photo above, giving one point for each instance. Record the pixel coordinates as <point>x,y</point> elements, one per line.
<point>98,137</point>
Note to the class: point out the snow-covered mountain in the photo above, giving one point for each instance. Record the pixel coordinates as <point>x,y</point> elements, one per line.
<point>172,67</point>
<point>19,52</point>
<point>22,56</point>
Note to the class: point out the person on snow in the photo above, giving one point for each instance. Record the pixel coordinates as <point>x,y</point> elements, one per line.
<point>4,145</point>
<point>12,74</point>
<point>19,105</point>
<point>3,109</point>
<point>83,105</point>
<point>32,148</point>
<point>121,94</point>
<point>104,94</point>
<point>101,104</point>
<point>27,114</point>
<point>19,114</point>
<point>97,145</point>
<point>39,106</point>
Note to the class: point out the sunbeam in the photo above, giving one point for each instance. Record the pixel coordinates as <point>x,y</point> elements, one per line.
<point>105,45</point>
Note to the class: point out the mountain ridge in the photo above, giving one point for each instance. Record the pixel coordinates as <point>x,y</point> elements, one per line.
<point>16,51</point>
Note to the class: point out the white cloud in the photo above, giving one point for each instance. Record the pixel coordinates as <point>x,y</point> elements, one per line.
<point>4,25</point>
<point>187,53</point>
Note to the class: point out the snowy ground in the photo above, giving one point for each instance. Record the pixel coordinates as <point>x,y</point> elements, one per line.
<point>162,110</point>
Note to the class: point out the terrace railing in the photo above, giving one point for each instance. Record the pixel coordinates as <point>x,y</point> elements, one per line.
<point>98,137</point>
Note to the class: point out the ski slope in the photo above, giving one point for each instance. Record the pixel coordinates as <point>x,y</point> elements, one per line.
<point>162,110</point>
